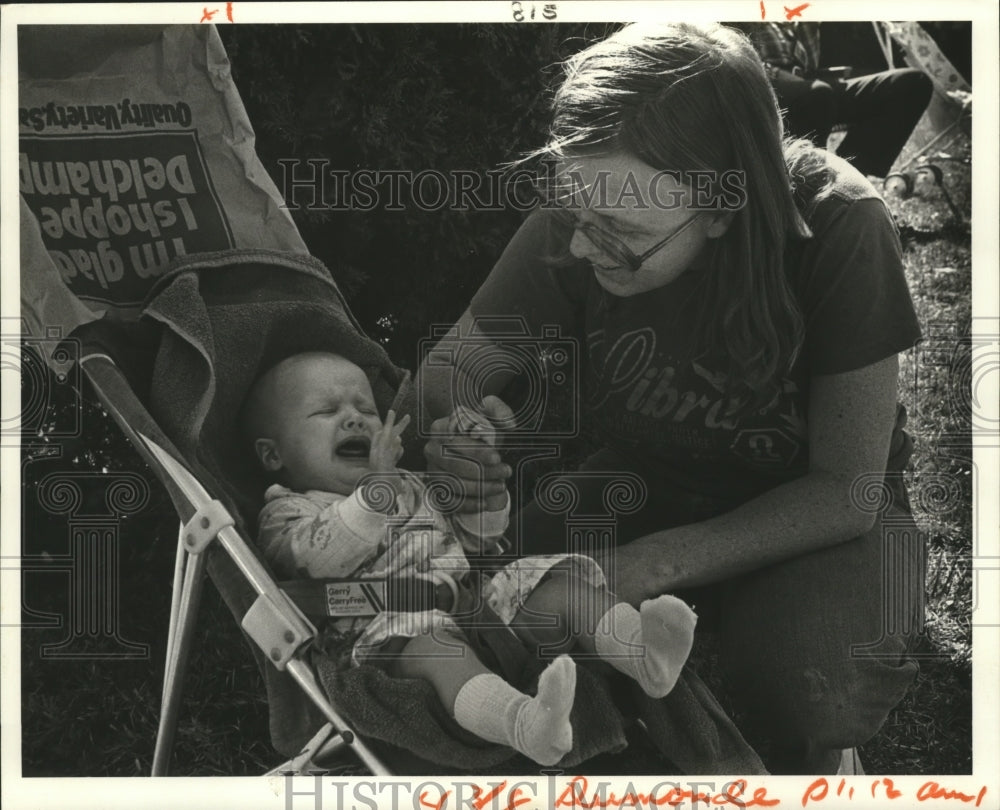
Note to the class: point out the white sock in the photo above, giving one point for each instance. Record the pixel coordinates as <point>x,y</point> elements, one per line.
<point>537,727</point>
<point>649,645</point>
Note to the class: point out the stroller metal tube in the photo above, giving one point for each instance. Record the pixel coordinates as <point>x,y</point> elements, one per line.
<point>262,583</point>
<point>305,678</point>
<point>175,604</point>
<point>324,743</point>
<point>230,539</point>
<point>250,566</point>
<point>194,580</point>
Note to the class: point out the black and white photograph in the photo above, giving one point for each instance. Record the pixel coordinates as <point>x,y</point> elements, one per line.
<point>502,404</point>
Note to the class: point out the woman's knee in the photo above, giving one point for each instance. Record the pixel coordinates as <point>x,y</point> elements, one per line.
<point>825,706</point>
<point>817,646</point>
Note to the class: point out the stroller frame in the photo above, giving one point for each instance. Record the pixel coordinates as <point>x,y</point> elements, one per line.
<point>274,622</point>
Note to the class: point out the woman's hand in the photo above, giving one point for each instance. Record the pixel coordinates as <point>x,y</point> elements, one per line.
<point>477,464</point>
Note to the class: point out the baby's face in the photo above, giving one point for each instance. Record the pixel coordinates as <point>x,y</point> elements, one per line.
<point>323,420</point>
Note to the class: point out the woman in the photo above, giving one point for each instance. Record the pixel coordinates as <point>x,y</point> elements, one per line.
<point>739,304</point>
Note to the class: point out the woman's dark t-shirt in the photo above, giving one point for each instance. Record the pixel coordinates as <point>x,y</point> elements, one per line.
<point>650,402</point>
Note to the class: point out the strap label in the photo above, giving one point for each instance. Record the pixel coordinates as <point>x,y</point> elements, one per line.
<point>355,598</point>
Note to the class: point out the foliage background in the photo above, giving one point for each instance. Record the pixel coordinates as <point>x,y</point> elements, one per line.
<point>441,97</point>
<point>398,97</point>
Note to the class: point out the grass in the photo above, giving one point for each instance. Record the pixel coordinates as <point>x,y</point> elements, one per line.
<point>98,717</point>
<point>931,729</point>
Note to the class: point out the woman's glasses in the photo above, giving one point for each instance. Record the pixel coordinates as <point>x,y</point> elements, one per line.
<point>620,253</point>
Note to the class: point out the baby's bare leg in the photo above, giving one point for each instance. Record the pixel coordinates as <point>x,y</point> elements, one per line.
<point>438,661</point>
<point>649,645</point>
<point>562,612</point>
<point>487,705</point>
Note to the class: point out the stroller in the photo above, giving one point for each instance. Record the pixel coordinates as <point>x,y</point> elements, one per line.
<point>171,351</point>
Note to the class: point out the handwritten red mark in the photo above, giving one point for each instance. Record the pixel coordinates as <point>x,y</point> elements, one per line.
<point>932,790</point>
<point>762,13</point>
<point>840,789</point>
<point>818,790</point>
<point>734,792</point>
<point>795,12</point>
<point>514,800</point>
<point>890,788</point>
<point>575,795</point>
<point>229,12</point>
<point>438,805</point>
<point>206,15</point>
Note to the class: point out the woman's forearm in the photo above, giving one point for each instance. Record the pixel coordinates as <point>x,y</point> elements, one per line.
<point>808,514</point>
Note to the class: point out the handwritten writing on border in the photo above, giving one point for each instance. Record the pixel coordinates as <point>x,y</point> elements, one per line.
<point>581,792</point>
<point>578,794</point>
<point>790,13</point>
<point>734,793</point>
<point>886,788</point>
<point>206,15</point>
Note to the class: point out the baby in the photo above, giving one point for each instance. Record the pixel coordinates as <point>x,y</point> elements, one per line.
<point>316,429</point>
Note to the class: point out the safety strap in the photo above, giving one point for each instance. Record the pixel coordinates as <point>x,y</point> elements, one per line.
<point>359,598</point>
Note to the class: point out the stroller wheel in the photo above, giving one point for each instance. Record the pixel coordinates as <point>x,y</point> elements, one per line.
<point>899,184</point>
<point>927,177</point>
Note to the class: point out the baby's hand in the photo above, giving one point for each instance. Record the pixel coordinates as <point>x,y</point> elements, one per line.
<point>387,447</point>
<point>467,422</point>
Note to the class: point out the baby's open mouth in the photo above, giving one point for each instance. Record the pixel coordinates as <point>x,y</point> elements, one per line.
<point>355,447</point>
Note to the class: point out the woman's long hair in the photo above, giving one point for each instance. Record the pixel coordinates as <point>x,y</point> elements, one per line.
<point>685,97</point>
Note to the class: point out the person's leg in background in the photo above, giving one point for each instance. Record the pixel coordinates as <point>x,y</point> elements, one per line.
<point>815,648</point>
<point>810,112</point>
<point>881,112</point>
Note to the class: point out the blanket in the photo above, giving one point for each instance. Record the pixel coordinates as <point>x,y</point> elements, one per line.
<point>375,702</point>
